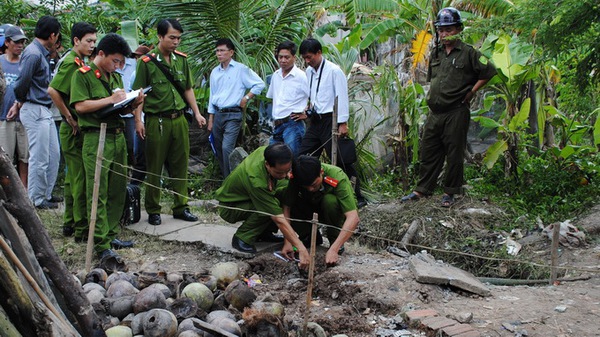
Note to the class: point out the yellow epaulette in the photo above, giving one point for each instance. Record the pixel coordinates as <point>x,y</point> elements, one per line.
<point>85,69</point>
<point>180,53</point>
<point>330,181</point>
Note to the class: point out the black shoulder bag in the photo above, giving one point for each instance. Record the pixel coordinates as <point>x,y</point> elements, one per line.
<point>188,111</point>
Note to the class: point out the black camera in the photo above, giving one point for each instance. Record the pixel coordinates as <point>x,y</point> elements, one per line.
<point>311,111</point>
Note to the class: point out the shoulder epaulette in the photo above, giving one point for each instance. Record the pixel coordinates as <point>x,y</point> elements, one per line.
<point>180,53</point>
<point>146,58</point>
<point>330,181</point>
<point>85,69</point>
<point>79,62</point>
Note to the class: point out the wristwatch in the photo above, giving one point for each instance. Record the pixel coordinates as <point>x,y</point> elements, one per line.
<point>247,97</point>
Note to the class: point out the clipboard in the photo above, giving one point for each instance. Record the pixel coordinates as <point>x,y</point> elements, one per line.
<point>117,107</point>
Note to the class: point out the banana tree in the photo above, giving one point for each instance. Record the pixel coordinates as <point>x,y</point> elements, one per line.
<point>512,58</point>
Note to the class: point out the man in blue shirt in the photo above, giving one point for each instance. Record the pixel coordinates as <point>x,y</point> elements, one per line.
<point>229,85</point>
<point>31,91</point>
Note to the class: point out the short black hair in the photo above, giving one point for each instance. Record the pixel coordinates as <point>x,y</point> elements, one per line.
<point>287,45</point>
<point>278,154</point>
<point>305,170</point>
<point>310,46</point>
<point>113,43</point>
<point>45,26</point>
<point>163,26</point>
<point>81,29</point>
<point>225,41</point>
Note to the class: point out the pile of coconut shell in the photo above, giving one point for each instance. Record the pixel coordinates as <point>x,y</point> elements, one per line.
<point>162,304</point>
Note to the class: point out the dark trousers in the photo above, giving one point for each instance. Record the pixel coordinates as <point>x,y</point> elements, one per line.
<point>317,138</point>
<point>444,139</point>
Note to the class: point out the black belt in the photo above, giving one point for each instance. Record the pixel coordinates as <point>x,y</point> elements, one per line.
<point>278,122</point>
<point>321,116</point>
<point>111,131</point>
<point>169,114</point>
<point>232,109</point>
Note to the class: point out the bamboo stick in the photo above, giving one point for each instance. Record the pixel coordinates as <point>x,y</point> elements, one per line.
<point>95,192</point>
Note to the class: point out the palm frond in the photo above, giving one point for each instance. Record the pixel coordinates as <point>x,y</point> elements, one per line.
<point>485,8</point>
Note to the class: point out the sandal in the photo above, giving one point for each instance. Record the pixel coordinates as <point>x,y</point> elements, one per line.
<point>412,196</point>
<point>447,200</point>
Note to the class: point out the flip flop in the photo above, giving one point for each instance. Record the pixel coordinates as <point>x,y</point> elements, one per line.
<point>412,196</point>
<point>447,200</point>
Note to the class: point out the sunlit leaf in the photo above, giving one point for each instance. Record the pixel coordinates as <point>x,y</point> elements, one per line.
<point>419,47</point>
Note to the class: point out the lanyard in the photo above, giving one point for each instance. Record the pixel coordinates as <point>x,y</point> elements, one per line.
<point>318,82</point>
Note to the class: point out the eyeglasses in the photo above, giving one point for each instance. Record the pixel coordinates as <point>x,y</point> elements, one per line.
<point>222,50</point>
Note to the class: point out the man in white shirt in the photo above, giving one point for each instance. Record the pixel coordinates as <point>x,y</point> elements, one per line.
<point>289,91</point>
<point>326,81</point>
<point>232,86</point>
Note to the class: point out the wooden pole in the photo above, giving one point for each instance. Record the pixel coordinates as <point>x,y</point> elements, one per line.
<point>15,260</point>
<point>18,204</point>
<point>311,271</point>
<point>555,244</point>
<point>95,192</point>
<point>334,133</point>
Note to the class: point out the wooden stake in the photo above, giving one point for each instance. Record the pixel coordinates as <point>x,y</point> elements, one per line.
<point>555,244</point>
<point>15,260</point>
<point>95,192</point>
<point>334,133</point>
<point>311,271</point>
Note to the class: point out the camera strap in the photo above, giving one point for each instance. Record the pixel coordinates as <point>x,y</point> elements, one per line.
<point>170,78</point>
<point>318,82</point>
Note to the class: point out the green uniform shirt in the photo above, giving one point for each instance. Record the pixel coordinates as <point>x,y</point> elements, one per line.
<point>164,96</point>
<point>62,80</point>
<point>250,181</point>
<point>452,76</point>
<point>88,85</point>
<point>296,196</point>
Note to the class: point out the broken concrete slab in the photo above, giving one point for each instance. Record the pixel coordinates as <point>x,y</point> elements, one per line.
<point>427,270</point>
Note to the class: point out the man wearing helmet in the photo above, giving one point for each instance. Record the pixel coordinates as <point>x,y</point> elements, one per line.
<point>456,71</point>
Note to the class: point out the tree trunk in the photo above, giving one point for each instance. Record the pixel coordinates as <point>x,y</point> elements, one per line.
<point>21,208</point>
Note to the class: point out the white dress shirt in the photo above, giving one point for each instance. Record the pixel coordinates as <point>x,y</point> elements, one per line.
<point>333,83</point>
<point>289,93</point>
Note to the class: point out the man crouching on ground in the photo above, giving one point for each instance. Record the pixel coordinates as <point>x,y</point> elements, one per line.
<point>326,190</point>
<point>254,188</point>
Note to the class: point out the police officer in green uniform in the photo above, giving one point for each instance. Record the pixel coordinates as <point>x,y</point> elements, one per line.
<point>83,38</point>
<point>456,71</point>
<point>166,129</point>
<point>93,88</point>
<point>252,193</point>
<point>324,189</point>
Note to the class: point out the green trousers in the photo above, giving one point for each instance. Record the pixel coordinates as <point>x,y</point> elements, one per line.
<point>330,214</point>
<point>75,215</point>
<point>254,225</point>
<point>112,185</point>
<point>167,143</point>
<point>444,140</point>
